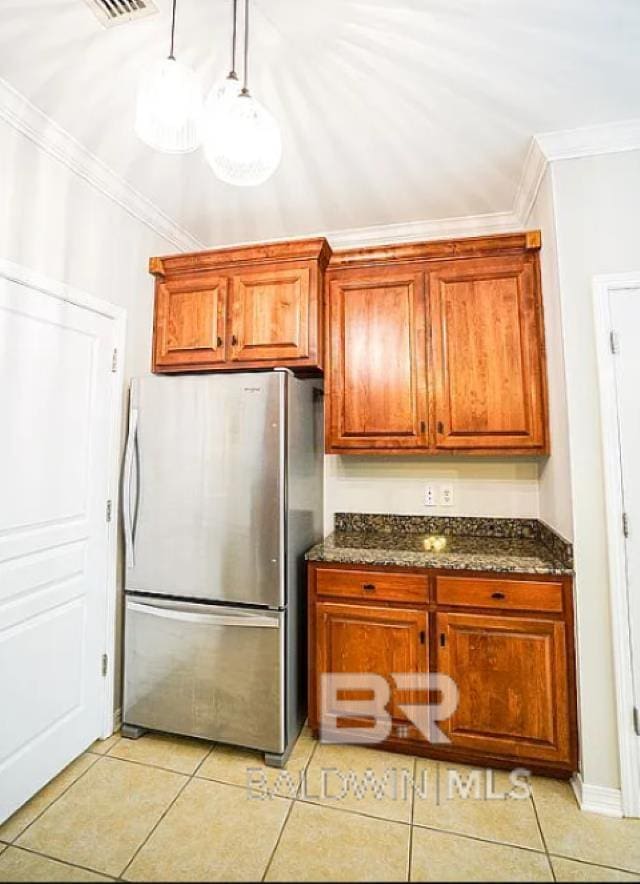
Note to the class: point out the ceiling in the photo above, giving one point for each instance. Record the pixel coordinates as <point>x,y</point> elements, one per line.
<point>391,110</point>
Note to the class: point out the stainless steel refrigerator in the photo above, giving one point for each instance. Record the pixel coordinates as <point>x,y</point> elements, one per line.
<point>222,495</point>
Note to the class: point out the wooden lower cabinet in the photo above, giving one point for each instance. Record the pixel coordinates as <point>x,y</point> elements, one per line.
<point>364,639</point>
<point>514,666</point>
<point>511,675</point>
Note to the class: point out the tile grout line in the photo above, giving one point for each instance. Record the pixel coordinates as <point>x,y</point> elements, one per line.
<point>484,840</point>
<point>63,862</point>
<point>544,840</point>
<point>588,862</point>
<point>159,766</point>
<point>13,843</point>
<point>413,807</point>
<point>291,805</point>
<point>188,780</point>
<point>278,839</point>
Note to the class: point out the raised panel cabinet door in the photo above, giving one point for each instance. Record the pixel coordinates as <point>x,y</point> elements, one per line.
<point>272,312</point>
<point>488,354</point>
<point>372,640</point>
<point>377,397</point>
<point>513,681</point>
<point>190,323</point>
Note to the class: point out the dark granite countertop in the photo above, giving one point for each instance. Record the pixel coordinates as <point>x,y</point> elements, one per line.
<point>527,550</point>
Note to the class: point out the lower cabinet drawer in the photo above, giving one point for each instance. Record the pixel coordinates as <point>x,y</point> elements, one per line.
<point>372,585</point>
<point>519,595</point>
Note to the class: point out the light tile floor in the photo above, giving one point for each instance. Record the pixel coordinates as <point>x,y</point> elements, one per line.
<point>170,809</point>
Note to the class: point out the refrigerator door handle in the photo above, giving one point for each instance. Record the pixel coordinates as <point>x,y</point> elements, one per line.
<point>127,509</point>
<point>210,619</point>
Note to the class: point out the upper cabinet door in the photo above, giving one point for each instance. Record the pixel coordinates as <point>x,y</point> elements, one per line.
<point>190,322</point>
<point>273,315</point>
<point>488,355</point>
<point>377,367</point>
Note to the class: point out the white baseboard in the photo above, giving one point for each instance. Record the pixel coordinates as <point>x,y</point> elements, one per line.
<point>597,799</point>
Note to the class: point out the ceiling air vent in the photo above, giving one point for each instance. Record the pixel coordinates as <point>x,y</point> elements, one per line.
<point>117,12</point>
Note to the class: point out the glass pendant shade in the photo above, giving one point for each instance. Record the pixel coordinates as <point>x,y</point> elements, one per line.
<point>220,93</point>
<point>169,108</point>
<point>242,141</point>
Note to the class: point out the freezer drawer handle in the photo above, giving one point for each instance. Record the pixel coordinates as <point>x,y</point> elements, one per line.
<point>210,619</point>
<point>127,511</point>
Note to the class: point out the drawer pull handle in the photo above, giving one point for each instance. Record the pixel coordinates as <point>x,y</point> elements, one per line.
<point>369,587</point>
<point>498,595</point>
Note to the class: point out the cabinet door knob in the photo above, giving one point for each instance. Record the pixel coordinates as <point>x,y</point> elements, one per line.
<point>440,427</point>
<point>369,587</point>
<point>219,341</point>
<point>498,595</point>
<point>234,340</point>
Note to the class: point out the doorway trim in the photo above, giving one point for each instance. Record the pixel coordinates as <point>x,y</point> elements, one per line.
<point>628,741</point>
<point>35,280</point>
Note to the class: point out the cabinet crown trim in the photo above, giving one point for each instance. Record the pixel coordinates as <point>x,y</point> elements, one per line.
<point>256,254</point>
<point>437,250</point>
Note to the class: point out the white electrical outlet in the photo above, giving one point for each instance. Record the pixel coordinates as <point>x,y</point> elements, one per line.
<point>430,495</point>
<point>446,495</point>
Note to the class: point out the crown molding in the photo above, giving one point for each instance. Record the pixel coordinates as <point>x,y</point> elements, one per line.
<point>421,231</point>
<point>590,141</point>
<point>30,121</point>
<point>535,165</point>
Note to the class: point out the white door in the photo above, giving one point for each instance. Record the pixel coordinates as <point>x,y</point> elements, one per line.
<point>56,395</point>
<point>624,305</point>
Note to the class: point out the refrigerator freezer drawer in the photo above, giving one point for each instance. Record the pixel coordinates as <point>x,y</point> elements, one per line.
<point>205,671</point>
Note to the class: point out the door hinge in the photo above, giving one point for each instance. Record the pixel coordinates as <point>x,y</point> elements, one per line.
<point>109,510</point>
<point>613,341</point>
<point>104,665</point>
<point>636,720</point>
<point>114,360</point>
<point>625,524</point>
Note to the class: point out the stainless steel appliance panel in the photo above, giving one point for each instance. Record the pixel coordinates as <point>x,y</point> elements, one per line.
<point>206,671</point>
<point>304,513</point>
<point>204,488</point>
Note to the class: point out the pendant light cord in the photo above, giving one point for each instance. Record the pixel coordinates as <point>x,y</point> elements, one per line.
<point>234,38</point>
<point>173,30</point>
<point>245,78</point>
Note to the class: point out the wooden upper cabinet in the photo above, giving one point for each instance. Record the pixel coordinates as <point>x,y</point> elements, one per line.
<point>241,308</point>
<point>437,347</point>
<point>377,361</point>
<point>513,678</point>
<point>487,354</point>
<point>190,322</point>
<point>269,314</point>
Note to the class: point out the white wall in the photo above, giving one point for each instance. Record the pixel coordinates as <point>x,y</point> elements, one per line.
<point>597,209</point>
<point>555,471</point>
<point>56,223</point>
<point>379,484</point>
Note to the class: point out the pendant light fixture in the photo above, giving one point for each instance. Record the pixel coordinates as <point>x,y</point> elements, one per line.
<point>169,105</point>
<point>242,140</point>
